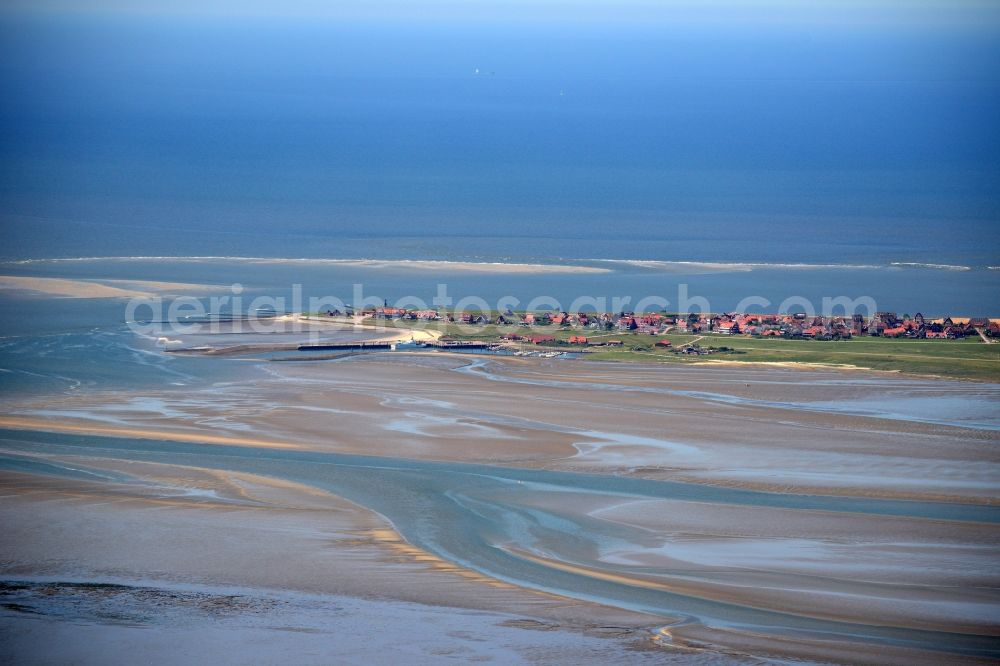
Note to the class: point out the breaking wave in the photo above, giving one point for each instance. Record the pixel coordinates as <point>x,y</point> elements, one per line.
<point>571,265</point>
<point>416,264</point>
<point>940,267</point>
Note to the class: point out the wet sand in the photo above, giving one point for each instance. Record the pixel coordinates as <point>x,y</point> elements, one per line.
<point>101,288</point>
<point>265,533</point>
<point>720,426</point>
<point>846,567</point>
<point>727,427</point>
<point>265,543</point>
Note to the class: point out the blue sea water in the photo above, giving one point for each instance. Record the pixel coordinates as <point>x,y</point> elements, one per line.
<point>539,133</point>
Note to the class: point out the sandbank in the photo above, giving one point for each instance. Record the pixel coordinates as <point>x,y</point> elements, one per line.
<point>67,288</point>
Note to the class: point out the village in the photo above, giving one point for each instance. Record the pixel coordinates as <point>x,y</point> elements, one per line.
<point>789,326</point>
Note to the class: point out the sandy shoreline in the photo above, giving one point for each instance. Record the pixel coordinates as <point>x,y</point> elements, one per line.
<point>67,288</point>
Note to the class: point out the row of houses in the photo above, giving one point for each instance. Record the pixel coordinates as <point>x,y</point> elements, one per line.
<point>890,325</point>
<point>885,324</point>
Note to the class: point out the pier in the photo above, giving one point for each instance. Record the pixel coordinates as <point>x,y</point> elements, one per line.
<point>461,344</point>
<point>346,346</point>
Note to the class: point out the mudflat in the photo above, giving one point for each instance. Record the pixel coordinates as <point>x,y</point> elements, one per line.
<point>752,559</point>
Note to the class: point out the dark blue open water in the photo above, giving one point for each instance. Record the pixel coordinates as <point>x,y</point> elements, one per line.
<point>783,135</point>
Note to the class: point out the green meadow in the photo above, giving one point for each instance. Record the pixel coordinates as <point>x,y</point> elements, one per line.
<point>970,358</point>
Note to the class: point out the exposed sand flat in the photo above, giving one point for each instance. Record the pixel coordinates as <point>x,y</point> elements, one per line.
<point>100,288</point>
<point>45,425</point>
<point>273,534</point>
<point>68,288</point>
<point>265,534</point>
<point>709,425</point>
<point>779,429</point>
<point>697,635</point>
<point>816,650</point>
<point>442,266</point>
<point>151,622</point>
<point>783,364</point>
<point>904,571</point>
